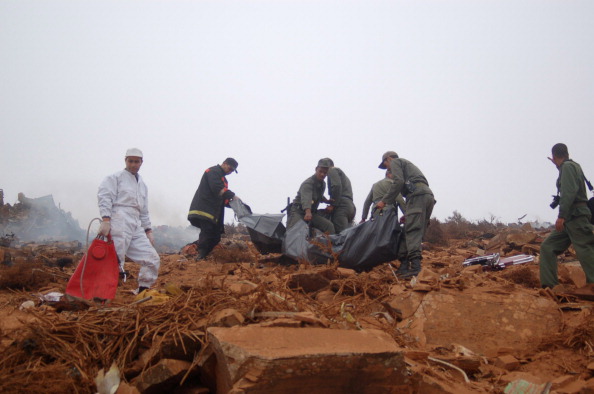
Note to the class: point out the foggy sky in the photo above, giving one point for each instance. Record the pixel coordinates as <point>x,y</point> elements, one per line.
<point>474,93</point>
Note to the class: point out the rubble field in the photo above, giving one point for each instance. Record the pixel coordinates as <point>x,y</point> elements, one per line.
<point>242,322</point>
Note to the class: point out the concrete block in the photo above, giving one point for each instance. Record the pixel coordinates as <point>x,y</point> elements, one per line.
<point>507,362</point>
<point>163,377</point>
<point>309,281</point>
<point>227,318</point>
<point>303,360</point>
<point>518,320</point>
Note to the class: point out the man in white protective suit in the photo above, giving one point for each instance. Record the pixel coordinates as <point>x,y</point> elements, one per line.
<point>123,205</point>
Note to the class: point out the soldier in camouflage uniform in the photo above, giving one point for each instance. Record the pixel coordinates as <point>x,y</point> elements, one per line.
<point>341,203</point>
<point>412,184</point>
<point>573,224</point>
<point>309,196</point>
<point>377,193</point>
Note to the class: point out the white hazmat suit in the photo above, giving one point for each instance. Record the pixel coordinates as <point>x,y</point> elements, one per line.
<point>123,197</point>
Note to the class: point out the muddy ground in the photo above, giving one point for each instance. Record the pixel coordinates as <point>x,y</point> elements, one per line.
<point>461,329</point>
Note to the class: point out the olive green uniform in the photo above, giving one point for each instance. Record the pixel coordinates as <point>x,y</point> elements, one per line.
<point>419,204</point>
<point>577,228</point>
<point>377,192</point>
<point>341,196</point>
<point>309,196</point>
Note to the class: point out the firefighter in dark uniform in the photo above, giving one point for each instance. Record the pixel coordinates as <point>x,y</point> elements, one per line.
<point>342,208</point>
<point>207,208</point>
<point>573,224</point>
<point>309,196</point>
<point>412,184</point>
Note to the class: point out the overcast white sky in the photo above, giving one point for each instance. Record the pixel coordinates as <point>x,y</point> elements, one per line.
<point>475,93</point>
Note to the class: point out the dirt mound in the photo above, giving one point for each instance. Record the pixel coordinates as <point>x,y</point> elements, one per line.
<point>454,328</point>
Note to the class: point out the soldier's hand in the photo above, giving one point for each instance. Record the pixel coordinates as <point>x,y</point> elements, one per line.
<point>560,224</point>
<point>308,216</point>
<point>380,205</point>
<point>330,208</point>
<point>362,221</point>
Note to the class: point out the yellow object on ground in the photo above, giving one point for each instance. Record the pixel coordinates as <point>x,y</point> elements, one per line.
<point>156,298</point>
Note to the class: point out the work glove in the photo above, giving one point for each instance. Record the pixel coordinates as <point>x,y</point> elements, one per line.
<point>151,237</point>
<point>105,228</point>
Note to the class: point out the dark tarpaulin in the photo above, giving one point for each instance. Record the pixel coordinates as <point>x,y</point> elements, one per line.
<point>296,241</point>
<point>266,231</point>
<point>371,243</point>
<point>360,248</point>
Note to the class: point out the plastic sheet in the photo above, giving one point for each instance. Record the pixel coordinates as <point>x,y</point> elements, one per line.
<point>266,230</point>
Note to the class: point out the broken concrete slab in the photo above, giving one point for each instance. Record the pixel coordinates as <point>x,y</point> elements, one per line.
<point>228,317</point>
<point>162,377</point>
<point>507,362</point>
<point>309,281</point>
<point>242,288</point>
<point>517,239</point>
<point>346,272</point>
<point>303,360</point>
<point>571,388</point>
<point>573,272</point>
<point>327,296</point>
<point>531,249</point>
<point>518,319</point>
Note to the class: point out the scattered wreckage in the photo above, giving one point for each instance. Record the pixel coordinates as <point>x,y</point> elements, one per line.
<point>252,326</point>
<point>495,262</point>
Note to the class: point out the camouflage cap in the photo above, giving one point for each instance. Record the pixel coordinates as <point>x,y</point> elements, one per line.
<point>325,162</point>
<point>389,153</point>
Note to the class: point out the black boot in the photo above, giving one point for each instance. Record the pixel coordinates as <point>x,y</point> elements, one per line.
<point>201,255</point>
<point>415,268</point>
<point>403,269</point>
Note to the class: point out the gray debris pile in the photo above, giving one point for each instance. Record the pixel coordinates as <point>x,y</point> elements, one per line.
<point>36,220</point>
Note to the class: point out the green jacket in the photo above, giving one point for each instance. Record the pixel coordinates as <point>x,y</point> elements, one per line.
<point>404,171</point>
<point>339,185</point>
<point>310,193</point>
<point>572,190</point>
<point>377,192</point>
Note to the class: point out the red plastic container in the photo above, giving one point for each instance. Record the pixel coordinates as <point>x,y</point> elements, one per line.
<point>97,273</point>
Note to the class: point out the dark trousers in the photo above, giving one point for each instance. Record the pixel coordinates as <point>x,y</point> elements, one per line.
<point>210,235</point>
